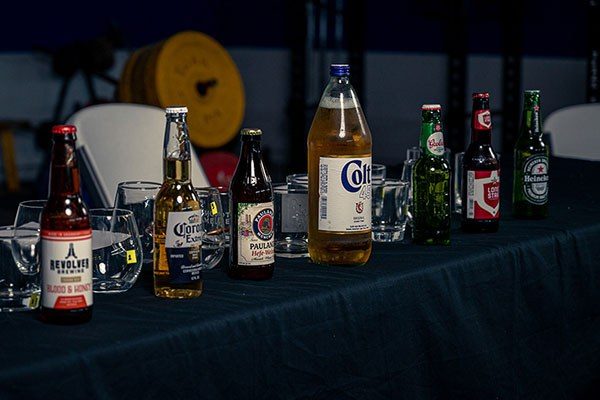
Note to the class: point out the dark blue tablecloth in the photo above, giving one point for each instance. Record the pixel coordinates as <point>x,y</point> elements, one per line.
<point>514,314</point>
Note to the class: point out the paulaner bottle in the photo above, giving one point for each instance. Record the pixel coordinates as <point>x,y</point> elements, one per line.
<point>339,176</point>
<point>66,238</point>
<point>530,190</point>
<point>481,172</point>
<point>252,247</point>
<point>177,217</point>
<point>431,182</point>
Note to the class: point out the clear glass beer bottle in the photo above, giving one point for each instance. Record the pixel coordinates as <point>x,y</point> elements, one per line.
<point>66,238</point>
<point>339,176</point>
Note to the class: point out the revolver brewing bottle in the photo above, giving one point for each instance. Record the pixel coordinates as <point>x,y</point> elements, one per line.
<point>66,238</point>
<point>339,176</point>
<point>481,172</point>
<point>530,190</point>
<point>431,182</point>
<point>177,217</point>
<point>252,250</point>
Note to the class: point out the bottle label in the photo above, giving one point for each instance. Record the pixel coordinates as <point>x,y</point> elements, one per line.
<point>435,141</point>
<point>66,268</point>
<point>535,179</point>
<point>482,119</point>
<point>345,194</point>
<point>483,194</point>
<point>183,245</point>
<point>256,245</point>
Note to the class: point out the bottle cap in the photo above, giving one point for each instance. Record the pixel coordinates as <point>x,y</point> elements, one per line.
<point>64,129</point>
<point>532,91</point>
<point>176,110</point>
<point>339,70</point>
<point>482,95</point>
<point>431,107</point>
<point>251,132</point>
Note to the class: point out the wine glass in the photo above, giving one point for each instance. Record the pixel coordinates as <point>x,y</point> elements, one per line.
<point>26,236</point>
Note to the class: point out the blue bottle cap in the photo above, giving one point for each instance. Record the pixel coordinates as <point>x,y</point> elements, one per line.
<point>339,70</point>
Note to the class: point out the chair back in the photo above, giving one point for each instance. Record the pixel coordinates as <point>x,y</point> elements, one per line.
<point>575,131</point>
<point>122,142</point>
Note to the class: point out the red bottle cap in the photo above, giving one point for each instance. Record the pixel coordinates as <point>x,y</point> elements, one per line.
<point>484,95</point>
<point>64,129</point>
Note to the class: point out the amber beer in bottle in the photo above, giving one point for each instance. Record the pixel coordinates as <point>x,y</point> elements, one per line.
<point>481,172</point>
<point>530,190</point>
<point>252,247</point>
<point>177,216</point>
<point>339,176</point>
<point>66,238</point>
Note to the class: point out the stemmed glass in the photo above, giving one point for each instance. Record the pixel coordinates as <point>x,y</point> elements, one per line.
<point>26,236</point>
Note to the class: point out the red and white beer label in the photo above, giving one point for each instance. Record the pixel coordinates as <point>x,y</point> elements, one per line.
<point>483,194</point>
<point>482,119</point>
<point>66,269</point>
<point>256,242</point>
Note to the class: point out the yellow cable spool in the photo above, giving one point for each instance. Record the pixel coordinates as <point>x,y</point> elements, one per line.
<point>191,69</point>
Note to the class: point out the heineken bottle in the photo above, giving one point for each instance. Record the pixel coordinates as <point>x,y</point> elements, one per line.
<point>530,190</point>
<point>431,182</point>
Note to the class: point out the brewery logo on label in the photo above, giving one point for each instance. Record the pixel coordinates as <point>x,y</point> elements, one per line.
<point>535,179</point>
<point>183,245</point>
<point>344,181</point>
<point>256,244</point>
<point>483,194</point>
<point>66,268</point>
<point>483,119</point>
<point>263,224</point>
<point>435,142</point>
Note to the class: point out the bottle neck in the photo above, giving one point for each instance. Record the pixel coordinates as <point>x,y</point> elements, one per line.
<point>176,149</point>
<point>251,148</point>
<point>531,122</point>
<point>64,174</point>
<point>481,122</point>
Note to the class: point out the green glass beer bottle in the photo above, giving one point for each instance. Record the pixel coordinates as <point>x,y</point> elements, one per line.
<point>431,182</point>
<point>530,189</point>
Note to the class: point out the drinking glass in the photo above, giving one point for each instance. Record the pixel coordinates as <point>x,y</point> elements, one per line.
<point>224,194</point>
<point>412,155</point>
<point>213,226</point>
<point>138,197</point>
<point>26,235</point>
<point>116,250</point>
<point>389,218</point>
<point>457,186</point>
<point>291,220</point>
<point>29,213</point>
<point>19,288</point>
<point>378,172</point>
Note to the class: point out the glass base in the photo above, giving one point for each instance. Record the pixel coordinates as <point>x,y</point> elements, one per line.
<point>296,248</point>
<point>112,286</point>
<point>388,234</point>
<point>19,301</point>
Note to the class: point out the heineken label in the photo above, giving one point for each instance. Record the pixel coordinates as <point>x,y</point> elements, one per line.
<point>535,179</point>
<point>483,194</point>
<point>183,245</point>
<point>255,234</point>
<point>482,119</point>
<point>66,268</point>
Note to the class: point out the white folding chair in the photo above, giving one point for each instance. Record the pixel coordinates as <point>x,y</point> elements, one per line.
<point>575,131</point>
<point>122,142</point>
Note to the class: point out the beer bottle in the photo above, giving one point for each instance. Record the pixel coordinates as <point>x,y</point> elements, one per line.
<point>530,190</point>
<point>66,238</point>
<point>481,172</point>
<point>431,182</point>
<point>339,176</point>
<point>177,217</point>
<point>252,247</point>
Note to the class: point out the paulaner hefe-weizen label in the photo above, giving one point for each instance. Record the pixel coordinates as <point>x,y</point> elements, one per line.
<point>66,267</point>
<point>344,194</point>
<point>183,243</point>
<point>255,234</point>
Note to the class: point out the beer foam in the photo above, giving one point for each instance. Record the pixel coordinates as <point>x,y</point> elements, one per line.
<point>338,103</point>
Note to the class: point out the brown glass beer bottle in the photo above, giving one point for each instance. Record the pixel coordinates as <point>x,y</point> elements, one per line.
<point>252,250</point>
<point>66,238</point>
